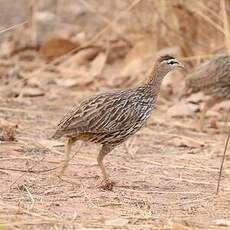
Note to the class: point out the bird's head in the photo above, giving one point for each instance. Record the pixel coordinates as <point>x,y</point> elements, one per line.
<point>167,63</point>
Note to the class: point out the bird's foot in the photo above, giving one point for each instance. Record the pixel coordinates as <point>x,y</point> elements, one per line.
<point>62,171</point>
<point>106,184</point>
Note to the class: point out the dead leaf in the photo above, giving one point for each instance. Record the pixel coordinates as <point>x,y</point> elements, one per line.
<point>181,109</point>
<point>117,222</point>
<point>56,47</point>
<point>7,130</point>
<point>183,141</point>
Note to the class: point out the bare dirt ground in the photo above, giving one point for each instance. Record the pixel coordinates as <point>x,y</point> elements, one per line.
<point>158,183</point>
<point>166,175</point>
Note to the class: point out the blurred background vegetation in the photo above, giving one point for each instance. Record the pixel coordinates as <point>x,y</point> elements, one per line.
<point>104,44</point>
<point>189,28</point>
<point>108,43</point>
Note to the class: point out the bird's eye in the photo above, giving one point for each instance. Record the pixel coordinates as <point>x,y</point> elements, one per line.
<point>172,62</point>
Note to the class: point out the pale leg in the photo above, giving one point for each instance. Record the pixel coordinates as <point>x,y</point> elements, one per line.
<point>107,184</point>
<point>68,146</point>
<point>103,152</point>
<point>208,105</point>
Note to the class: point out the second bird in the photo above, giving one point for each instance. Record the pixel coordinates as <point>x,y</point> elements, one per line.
<point>111,118</point>
<point>213,78</point>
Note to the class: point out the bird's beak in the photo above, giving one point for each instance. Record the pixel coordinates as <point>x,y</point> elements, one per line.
<point>181,66</point>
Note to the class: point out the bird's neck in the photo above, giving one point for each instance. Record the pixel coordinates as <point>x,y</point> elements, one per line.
<point>154,81</point>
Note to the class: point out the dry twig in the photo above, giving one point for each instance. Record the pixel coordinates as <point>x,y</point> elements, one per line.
<point>222,162</point>
<point>13,27</point>
<point>227,40</point>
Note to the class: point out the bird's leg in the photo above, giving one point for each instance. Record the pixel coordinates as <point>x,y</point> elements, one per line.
<point>208,105</point>
<point>68,145</point>
<point>103,152</point>
<point>106,183</point>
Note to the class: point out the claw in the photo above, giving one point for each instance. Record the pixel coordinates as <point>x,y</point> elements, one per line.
<point>107,184</point>
<point>62,171</point>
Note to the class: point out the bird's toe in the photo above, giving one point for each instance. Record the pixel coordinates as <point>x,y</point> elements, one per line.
<point>107,184</point>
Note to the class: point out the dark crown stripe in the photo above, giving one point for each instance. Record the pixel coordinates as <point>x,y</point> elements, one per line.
<point>165,58</point>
